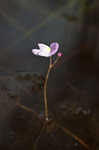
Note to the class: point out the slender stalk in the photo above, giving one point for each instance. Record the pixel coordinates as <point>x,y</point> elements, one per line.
<point>55,62</point>
<point>45,87</point>
<point>51,65</point>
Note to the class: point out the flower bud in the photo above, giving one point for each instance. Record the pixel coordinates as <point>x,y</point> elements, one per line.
<point>59,54</point>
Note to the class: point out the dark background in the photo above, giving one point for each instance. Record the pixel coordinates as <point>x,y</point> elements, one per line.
<point>72,23</point>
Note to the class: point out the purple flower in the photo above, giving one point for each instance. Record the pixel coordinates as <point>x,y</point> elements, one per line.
<point>45,50</point>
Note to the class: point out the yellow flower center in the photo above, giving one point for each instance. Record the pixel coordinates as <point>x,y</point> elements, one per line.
<point>48,49</point>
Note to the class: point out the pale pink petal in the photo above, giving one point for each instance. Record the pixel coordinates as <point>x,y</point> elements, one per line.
<point>43,54</point>
<point>35,51</point>
<point>44,50</point>
<point>54,48</point>
<point>43,46</point>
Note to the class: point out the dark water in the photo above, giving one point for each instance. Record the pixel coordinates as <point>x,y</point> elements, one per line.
<point>74,24</point>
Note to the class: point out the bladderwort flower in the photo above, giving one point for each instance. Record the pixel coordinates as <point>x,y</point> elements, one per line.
<point>46,51</point>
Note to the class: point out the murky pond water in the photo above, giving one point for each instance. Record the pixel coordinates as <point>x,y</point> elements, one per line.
<point>73,84</point>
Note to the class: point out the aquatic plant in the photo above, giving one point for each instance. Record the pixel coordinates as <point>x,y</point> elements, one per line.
<point>51,125</point>
<point>47,51</point>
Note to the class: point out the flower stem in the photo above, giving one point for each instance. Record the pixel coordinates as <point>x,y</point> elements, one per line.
<point>45,87</point>
<point>51,65</point>
<point>55,62</point>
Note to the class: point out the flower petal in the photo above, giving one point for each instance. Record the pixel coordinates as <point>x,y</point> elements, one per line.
<point>35,51</point>
<point>44,48</point>
<point>44,54</point>
<point>40,53</point>
<point>54,48</point>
